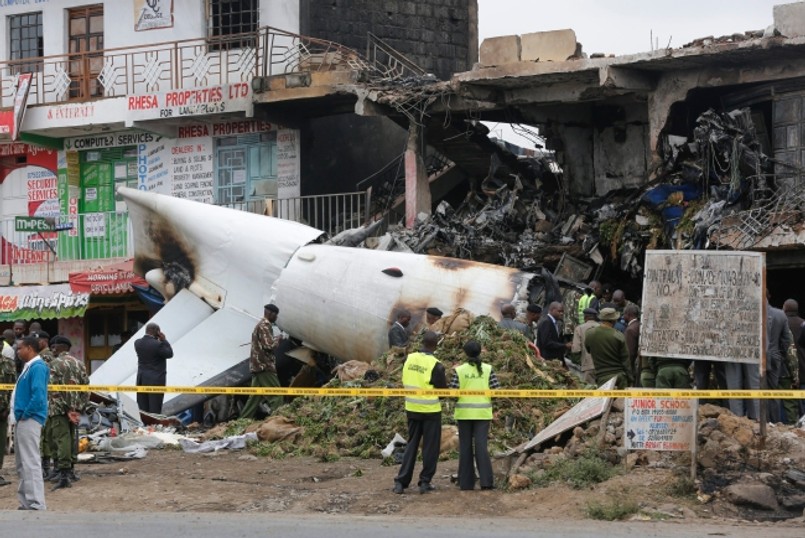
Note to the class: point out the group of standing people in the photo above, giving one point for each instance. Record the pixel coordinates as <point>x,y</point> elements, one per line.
<point>45,421</point>
<point>423,370</point>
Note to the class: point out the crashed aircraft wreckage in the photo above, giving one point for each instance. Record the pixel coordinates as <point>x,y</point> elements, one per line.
<point>217,267</point>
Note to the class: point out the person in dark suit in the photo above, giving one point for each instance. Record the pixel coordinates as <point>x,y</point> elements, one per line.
<point>398,333</point>
<point>153,350</point>
<point>549,338</point>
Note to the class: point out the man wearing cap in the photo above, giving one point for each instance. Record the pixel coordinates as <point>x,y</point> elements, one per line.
<point>579,349</point>
<point>30,401</point>
<point>262,363</point>
<point>43,340</point>
<point>64,411</point>
<point>609,352</point>
<point>8,375</point>
<point>153,351</point>
<point>432,315</point>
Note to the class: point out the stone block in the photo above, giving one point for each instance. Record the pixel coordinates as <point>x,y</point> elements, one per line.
<point>754,495</point>
<point>553,46</point>
<point>789,19</point>
<point>500,50</point>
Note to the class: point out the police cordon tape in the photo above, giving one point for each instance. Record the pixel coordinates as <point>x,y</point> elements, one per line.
<point>445,393</point>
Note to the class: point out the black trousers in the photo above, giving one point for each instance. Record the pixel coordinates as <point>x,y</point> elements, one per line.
<point>474,432</point>
<point>150,402</point>
<point>426,427</point>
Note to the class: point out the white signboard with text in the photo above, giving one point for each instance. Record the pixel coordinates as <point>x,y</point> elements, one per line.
<point>660,424</point>
<point>235,97</point>
<point>703,305</point>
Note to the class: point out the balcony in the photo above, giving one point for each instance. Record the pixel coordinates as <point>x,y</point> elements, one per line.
<point>173,65</point>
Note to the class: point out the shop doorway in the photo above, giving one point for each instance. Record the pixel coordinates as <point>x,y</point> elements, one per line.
<point>106,327</point>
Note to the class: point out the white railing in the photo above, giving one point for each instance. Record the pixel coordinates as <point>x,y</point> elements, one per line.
<point>101,235</point>
<point>332,213</point>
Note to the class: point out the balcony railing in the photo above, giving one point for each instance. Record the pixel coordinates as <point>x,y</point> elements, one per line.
<point>94,236</point>
<point>174,65</point>
<point>331,213</point>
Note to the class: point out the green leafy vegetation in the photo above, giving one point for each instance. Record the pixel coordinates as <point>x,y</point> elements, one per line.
<point>579,473</point>
<point>612,511</point>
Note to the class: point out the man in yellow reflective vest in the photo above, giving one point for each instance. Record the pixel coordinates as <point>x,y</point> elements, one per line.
<point>474,415</point>
<point>422,370</point>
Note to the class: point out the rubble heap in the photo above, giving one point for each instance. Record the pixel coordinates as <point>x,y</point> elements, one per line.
<point>717,188</point>
<point>361,427</point>
<point>739,473</point>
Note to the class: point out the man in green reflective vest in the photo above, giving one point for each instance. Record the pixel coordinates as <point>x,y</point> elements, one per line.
<point>474,415</point>
<point>422,370</point>
<point>589,299</point>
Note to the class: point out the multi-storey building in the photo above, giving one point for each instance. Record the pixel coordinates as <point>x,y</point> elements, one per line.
<point>157,95</point>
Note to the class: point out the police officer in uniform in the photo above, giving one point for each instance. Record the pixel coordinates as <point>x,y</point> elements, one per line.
<point>422,370</point>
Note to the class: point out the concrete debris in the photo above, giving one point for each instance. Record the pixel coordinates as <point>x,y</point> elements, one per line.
<point>753,495</point>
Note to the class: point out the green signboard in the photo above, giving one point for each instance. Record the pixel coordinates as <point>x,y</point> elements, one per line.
<point>31,224</point>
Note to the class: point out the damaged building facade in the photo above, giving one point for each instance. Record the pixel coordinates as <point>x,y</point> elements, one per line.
<point>694,147</point>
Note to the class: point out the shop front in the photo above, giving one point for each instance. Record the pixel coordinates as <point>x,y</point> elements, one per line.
<point>57,308</point>
<point>114,311</point>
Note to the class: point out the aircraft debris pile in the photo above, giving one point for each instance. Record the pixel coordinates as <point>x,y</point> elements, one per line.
<point>715,188</point>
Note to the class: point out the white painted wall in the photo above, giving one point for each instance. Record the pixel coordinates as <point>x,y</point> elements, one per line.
<point>188,21</point>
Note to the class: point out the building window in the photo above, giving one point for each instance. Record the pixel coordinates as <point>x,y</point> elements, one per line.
<point>25,41</point>
<point>246,169</point>
<point>229,19</point>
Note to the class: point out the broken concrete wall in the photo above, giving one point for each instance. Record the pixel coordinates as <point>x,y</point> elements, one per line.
<point>600,148</point>
<point>552,46</point>
<point>789,19</point>
<point>621,151</point>
<point>675,87</point>
<point>441,36</point>
<point>500,50</point>
<point>568,132</point>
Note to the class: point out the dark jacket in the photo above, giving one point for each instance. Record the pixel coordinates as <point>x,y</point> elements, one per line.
<point>549,342</point>
<point>152,353</point>
<point>398,336</point>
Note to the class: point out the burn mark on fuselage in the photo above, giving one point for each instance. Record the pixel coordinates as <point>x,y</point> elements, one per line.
<point>451,264</point>
<point>171,253</point>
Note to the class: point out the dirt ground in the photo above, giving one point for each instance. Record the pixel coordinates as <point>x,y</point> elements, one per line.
<point>235,481</point>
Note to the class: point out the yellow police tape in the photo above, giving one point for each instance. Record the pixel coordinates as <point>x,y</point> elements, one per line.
<point>452,393</point>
